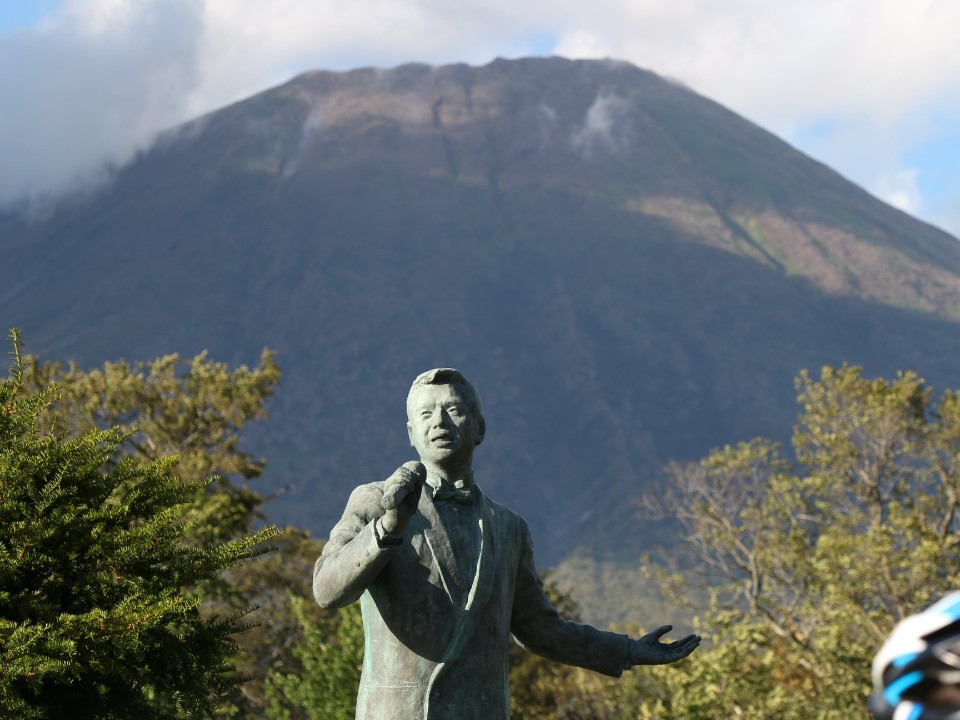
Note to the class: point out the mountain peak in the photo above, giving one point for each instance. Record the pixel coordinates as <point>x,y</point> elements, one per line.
<point>628,271</point>
<point>618,135</point>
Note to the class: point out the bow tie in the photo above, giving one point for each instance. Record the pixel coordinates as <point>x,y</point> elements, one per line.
<point>452,492</point>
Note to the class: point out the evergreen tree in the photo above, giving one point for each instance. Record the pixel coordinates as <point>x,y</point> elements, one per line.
<point>100,612</point>
<point>197,410</point>
<point>194,410</point>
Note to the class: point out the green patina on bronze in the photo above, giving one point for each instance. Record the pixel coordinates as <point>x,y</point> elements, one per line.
<point>445,576</point>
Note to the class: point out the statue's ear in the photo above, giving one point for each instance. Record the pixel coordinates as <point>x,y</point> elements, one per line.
<point>410,434</point>
<point>481,429</point>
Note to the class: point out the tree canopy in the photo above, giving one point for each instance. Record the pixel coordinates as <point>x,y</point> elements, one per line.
<point>198,410</point>
<point>194,410</point>
<point>100,613</point>
<point>810,560</point>
<point>121,591</point>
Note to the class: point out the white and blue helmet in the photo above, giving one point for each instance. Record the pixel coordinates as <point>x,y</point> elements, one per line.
<point>916,674</point>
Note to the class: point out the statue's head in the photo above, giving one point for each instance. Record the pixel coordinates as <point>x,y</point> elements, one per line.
<point>444,417</point>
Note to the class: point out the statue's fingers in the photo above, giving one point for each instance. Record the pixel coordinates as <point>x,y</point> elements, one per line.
<point>660,632</point>
<point>417,468</point>
<point>406,479</point>
<point>412,498</point>
<point>689,644</point>
<point>683,647</point>
<point>394,490</point>
<point>393,493</point>
<point>393,500</point>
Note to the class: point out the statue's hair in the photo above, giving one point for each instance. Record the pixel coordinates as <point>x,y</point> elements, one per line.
<point>449,376</point>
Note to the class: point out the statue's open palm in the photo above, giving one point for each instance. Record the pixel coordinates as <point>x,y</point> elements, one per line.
<point>648,650</point>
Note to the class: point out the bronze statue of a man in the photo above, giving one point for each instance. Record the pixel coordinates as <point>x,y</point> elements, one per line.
<point>445,576</point>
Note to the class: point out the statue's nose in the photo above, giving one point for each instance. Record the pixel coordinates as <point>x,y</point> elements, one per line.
<point>442,419</point>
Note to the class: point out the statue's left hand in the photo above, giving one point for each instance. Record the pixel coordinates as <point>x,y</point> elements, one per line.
<point>648,650</point>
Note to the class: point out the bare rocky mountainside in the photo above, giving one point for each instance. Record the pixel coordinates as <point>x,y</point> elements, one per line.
<point>628,271</point>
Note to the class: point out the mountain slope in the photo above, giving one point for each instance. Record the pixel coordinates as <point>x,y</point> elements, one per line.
<point>628,271</point>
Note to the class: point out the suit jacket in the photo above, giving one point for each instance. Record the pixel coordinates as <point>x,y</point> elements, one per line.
<point>437,639</point>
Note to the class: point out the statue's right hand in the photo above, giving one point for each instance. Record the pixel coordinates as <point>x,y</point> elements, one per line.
<point>401,495</point>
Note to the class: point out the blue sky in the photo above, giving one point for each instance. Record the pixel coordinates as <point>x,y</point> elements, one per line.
<point>25,13</point>
<point>870,87</point>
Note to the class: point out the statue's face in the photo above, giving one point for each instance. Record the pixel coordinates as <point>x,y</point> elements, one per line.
<point>442,424</point>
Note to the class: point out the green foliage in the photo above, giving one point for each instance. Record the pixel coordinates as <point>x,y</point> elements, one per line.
<point>100,614</point>
<point>545,690</point>
<point>194,411</point>
<point>269,584</point>
<point>618,590</point>
<point>541,689</point>
<point>197,411</point>
<point>325,685</point>
<point>810,565</point>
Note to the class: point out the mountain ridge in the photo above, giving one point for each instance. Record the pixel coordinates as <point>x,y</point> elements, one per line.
<point>628,271</point>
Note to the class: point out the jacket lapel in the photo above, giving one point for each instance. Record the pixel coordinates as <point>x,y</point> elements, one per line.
<point>486,562</point>
<point>438,541</point>
<point>477,597</point>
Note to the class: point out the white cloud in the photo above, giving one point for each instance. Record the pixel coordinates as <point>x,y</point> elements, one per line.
<point>90,87</point>
<point>100,77</point>
<point>899,189</point>
<point>786,62</point>
<point>873,71</point>
<point>949,219</point>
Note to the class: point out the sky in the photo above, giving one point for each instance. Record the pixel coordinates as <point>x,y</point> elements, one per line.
<point>869,87</point>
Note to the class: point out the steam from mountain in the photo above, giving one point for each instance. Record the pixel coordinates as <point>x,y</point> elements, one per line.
<point>602,128</point>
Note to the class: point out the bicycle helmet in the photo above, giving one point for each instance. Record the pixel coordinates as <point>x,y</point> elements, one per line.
<point>916,674</point>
